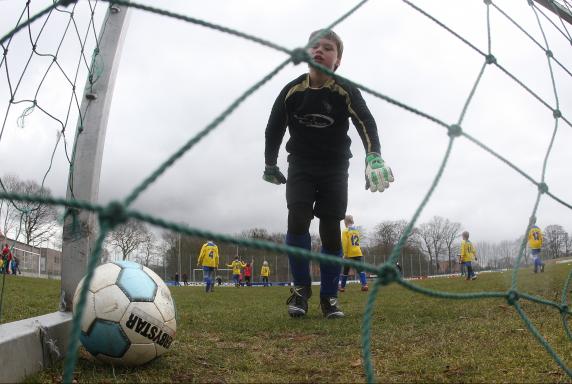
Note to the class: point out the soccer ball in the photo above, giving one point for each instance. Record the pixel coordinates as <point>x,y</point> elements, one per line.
<point>129,316</point>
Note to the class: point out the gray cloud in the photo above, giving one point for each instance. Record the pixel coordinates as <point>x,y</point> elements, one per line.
<point>175,78</point>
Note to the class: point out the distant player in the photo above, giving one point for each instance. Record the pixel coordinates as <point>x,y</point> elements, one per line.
<point>236,266</point>
<point>6,258</point>
<point>316,109</point>
<point>208,260</point>
<point>248,275</point>
<point>535,240</point>
<point>352,250</point>
<point>265,273</point>
<point>468,255</point>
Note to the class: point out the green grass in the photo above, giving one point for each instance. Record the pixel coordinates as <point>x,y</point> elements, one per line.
<point>244,335</point>
<point>24,297</point>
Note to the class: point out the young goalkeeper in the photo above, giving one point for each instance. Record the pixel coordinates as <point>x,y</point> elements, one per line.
<point>316,108</point>
<point>352,250</point>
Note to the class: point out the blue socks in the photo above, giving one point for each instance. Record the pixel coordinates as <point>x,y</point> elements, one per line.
<point>362,279</point>
<point>300,266</point>
<point>344,280</point>
<point>330,275</point>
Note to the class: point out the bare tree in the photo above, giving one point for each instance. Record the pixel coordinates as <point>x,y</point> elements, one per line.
<point>35,222</point>
<point>554,241</point>
<point>451,232</point>
<point>128,237</point>
<point>149,248</point>
<point>8,210</point>
<point>431,239</point>
<point>386,235</point>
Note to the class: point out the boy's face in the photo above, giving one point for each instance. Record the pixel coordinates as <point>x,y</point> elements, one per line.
<point>325,52</point>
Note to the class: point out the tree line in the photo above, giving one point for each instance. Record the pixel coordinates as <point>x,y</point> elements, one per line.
<point>431,248</point>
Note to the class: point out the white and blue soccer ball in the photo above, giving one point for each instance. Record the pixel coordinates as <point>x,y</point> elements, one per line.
<point>129,317</point>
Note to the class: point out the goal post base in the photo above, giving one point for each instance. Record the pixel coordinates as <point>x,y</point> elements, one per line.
<point>33,344</point>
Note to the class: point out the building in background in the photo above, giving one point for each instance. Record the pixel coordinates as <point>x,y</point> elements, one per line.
<point>34,261</point>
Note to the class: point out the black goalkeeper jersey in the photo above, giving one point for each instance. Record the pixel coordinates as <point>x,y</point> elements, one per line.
<point>318,121</point>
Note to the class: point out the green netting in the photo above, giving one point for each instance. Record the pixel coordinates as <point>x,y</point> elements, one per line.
<point>118,212</point>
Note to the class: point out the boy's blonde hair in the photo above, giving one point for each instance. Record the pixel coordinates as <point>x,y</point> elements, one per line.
<point>329,35</point>
<point>265,263</point>
<point>348,220</point>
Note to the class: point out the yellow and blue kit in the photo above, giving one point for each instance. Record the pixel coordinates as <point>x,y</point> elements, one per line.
<point>468,251</point>
<point>351,250</point>
<point>264,273</point>
<point>208,257</point>
<point>535,238</point>
<point>351,242</point>
<point>236,266</point>
<point>468,255</point>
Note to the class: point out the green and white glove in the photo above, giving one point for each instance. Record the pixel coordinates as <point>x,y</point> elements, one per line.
<point>377,174</point>
<point>273,175</point>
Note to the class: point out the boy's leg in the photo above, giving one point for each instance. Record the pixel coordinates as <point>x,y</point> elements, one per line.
<point>206,278</point>
<point>211,279</point>
<point>299,266</point>
<point>330,272</point>
<point>362,276</point>
<point>300,270</point>
<point>330,207</point>
<point>299,218</point>
<point>344,278</point>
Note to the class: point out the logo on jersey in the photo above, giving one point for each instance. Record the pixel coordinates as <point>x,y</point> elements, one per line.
<point>314,120</point>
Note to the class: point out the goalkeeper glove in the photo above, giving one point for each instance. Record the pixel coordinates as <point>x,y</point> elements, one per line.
<point>273,175</point>
<point>377,174</point>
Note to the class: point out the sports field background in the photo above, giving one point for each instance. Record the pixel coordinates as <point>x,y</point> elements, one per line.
<point>244,335</point>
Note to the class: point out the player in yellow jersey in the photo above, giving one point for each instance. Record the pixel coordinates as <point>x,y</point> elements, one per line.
<point>535,240</point>
<point>208,260</point>
<point>468,255</point>
<point>236,266</point>
<point>265,273</point>
<point>351,250</point>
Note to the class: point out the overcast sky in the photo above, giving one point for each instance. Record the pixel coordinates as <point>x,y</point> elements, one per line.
<point>175,77</point>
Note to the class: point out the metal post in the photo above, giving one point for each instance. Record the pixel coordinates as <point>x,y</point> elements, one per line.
<point>179,259</point>
<point>164,268</point>
<point>557,8</point>
<point>79,235</point>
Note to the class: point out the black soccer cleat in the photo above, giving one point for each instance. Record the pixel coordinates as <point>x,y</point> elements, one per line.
<point>298,301</point>
<point>330,308</point>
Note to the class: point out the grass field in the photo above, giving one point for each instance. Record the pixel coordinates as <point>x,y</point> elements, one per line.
<point>245,335</point>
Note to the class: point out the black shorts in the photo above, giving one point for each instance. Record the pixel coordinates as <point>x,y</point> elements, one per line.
<point>324,187</point>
